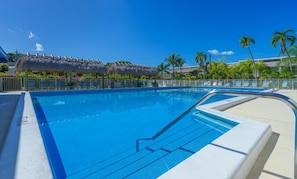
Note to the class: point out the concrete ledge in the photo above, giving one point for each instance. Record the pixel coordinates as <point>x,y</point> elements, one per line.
<point>230,156</point>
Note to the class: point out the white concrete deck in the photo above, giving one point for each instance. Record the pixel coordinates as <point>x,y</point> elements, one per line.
<point>277,159</point>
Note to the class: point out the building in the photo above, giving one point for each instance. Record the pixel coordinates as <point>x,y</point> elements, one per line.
<point>3,56</point>
<point>271,62</point>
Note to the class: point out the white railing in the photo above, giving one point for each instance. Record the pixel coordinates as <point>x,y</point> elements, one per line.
<point>11,84</point>
<point>17,84</point>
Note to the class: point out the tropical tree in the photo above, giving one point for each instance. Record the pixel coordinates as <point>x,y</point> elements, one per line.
<point>263,70</point>
<point>283,38</point>
<point>293,52</point>
<point>246,69</point>
<point>201,60</point>
<point>245,43</point>
<point>232,72</point>
<point>222,70</point>
<point>180,63</point>
<point>217,70</point>
<point>171,60</point>
<point>163,68</point>
<point>285,73</point>
<point>13,57</point>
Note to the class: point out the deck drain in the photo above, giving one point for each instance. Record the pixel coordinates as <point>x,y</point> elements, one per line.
<point>24,120</point>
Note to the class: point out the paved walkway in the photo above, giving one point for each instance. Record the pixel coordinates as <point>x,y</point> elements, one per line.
<point>8,103</point>
<point>277,159</point>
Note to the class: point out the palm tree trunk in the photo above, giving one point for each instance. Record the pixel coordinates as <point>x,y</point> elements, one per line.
<point>290,60</point>
<point>173,71</point>
<point>255,69</point>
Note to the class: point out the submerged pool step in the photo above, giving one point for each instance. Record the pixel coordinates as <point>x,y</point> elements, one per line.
<point>113,163</point>
<point>156,156</point>
<point>198,143</point>
<point>180,138</point>
<point>130,155</point>
<point>197,134</point>
<point>172,136</point>
<point>124,170</point>
<point>215,122</point>
<point>161,165</point>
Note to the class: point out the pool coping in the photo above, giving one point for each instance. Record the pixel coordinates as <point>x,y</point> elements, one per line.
<point>32,161</point>
<point>230,156</point>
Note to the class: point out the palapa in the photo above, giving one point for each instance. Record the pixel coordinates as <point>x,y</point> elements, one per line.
<point>59,64</point>
<point>131,69</point>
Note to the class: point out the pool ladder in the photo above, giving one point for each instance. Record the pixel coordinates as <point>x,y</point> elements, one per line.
<point>291,103</point>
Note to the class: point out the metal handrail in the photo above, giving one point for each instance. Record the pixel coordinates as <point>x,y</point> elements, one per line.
<point>291,103</point>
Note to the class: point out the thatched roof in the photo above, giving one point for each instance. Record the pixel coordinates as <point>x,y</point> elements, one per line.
<point>131,69</point>
<point>59,64</point>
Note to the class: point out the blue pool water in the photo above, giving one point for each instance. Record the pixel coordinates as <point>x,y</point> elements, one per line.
<point>84,130</point>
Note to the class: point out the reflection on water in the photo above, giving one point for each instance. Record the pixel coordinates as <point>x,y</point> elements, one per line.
<point>70,107</point>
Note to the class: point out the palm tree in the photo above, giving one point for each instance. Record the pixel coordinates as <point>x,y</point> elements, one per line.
<point>163,68</point>
<point>180,63</point>
<point>265,71</point>
<point>293,51</point>
<point>246,69</point>
<point>232,72</point>
<point>201,60</point>
<point>283,38</point>
<point>245,43</point>
<point>171,60</point>
<point>222,70</point>
<point>13,57</point>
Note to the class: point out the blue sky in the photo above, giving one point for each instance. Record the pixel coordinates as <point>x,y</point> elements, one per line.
<point>144,32</point>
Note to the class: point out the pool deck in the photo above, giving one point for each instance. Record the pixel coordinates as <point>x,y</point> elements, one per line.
<point>277,158</point>
<point>275,161</point>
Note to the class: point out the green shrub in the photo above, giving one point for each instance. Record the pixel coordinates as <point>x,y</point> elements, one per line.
<point>3,67</point>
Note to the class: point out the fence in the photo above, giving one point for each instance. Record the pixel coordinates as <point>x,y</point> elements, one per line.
<point>11,84</point>
<point>18,84</point>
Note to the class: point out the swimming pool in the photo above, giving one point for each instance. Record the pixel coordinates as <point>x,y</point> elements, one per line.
<point>82,130</point>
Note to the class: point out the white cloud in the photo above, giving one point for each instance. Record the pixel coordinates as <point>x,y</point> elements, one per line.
<point>227,52</point>
<point>31,35</point>
<point>216,52</point>
<point>213,52</point>
<point>39,47</point>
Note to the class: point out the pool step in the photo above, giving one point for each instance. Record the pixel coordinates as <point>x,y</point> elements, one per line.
<point>161,165</point>
<point>171,136</point>
<point>131,155</point>
<point>157,156</point>
<point>148,168</point>
<point>134,166</point>
<point>124,158</point>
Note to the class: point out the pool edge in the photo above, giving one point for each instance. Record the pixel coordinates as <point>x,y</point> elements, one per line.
<point>230,156</point>
<point>47,173</point>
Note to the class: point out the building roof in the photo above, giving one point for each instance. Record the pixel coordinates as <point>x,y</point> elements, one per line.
<point>270,62</point>
<point>61,64</point>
